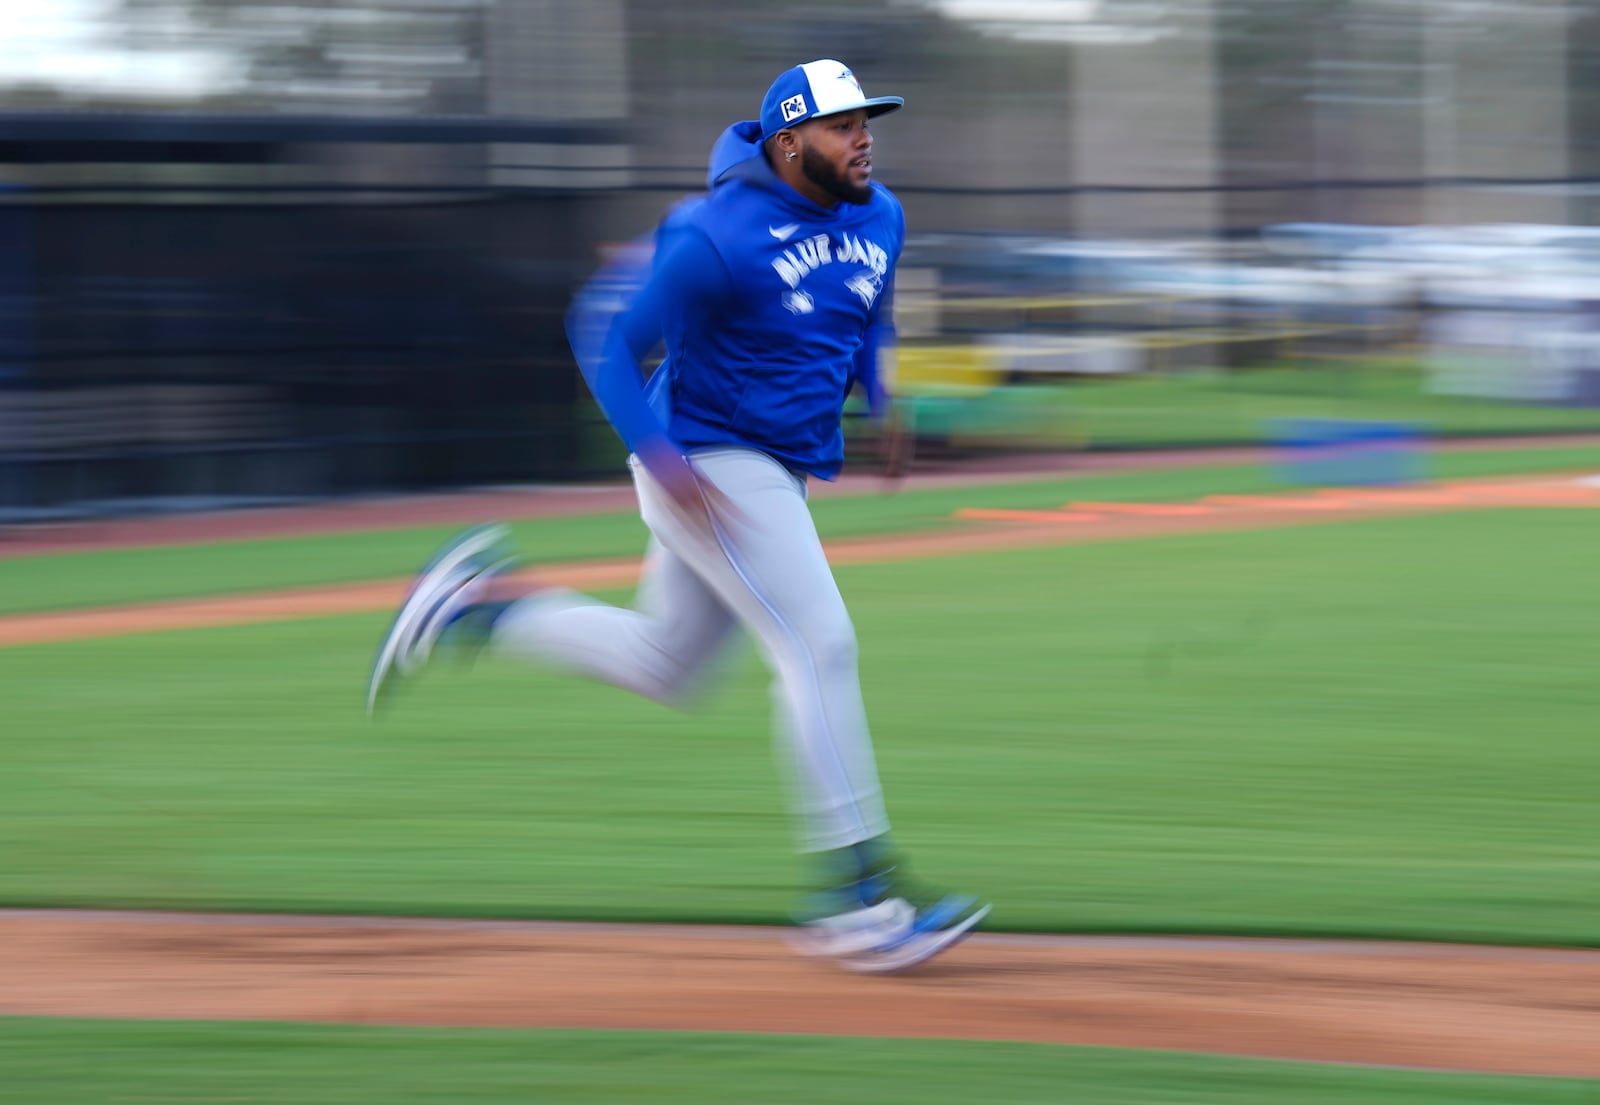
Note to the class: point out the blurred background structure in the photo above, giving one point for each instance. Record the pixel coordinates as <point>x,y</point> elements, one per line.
<point>257,250</point>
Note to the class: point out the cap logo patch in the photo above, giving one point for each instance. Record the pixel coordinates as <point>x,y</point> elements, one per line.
<point>793,108</point>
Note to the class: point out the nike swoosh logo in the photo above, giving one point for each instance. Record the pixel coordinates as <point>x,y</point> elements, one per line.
<point>782,232</point>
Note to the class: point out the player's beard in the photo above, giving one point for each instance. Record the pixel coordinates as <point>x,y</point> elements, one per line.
<point>821,172</point>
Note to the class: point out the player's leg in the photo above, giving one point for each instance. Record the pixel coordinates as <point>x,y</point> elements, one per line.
<point>767,565</point>
<point>662,649</point>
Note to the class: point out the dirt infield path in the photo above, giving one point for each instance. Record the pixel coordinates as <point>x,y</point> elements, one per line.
<point>1506,1010</point>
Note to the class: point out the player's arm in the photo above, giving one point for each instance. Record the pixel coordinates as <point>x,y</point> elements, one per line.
<point>877,343</point>
<point>619,318</point>
<point>879,338</point>
<point>686,278</point>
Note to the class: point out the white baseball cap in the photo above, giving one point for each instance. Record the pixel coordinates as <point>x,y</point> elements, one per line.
<point>823,87</point>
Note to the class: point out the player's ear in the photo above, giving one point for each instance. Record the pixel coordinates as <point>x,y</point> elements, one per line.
<point>785,145</point>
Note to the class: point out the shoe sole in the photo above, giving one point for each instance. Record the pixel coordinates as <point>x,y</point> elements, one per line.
<point>913,952</point>
<point>420,599</point>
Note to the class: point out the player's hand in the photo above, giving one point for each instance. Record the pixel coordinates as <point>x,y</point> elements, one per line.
<point>896,444</point>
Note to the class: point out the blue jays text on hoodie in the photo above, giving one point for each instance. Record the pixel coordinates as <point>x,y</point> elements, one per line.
<point>771,307</point>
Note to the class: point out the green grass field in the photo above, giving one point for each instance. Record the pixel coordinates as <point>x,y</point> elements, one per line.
<point>93,578</point>
<point>1237,407</point>
<point>1380,728</point>
<point>71,1062</point>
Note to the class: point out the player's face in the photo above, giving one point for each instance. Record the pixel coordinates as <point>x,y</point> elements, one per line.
<point>837,155</point>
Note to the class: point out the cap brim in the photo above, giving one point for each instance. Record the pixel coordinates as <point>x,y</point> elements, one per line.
<point>878,105</point>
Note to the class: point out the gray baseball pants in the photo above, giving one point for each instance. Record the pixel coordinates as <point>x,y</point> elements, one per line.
<point>764,570</point>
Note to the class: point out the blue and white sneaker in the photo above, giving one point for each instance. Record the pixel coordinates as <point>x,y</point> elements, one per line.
<point>453,580</point>
<point>892,935</point>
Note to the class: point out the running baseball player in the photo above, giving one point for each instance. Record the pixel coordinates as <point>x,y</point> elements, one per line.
<point>772,297</point>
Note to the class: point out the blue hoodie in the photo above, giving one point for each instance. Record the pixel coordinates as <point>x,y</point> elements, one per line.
<point>772,308</point>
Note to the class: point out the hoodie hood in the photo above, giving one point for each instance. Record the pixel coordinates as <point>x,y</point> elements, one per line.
<point>737,153</point>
